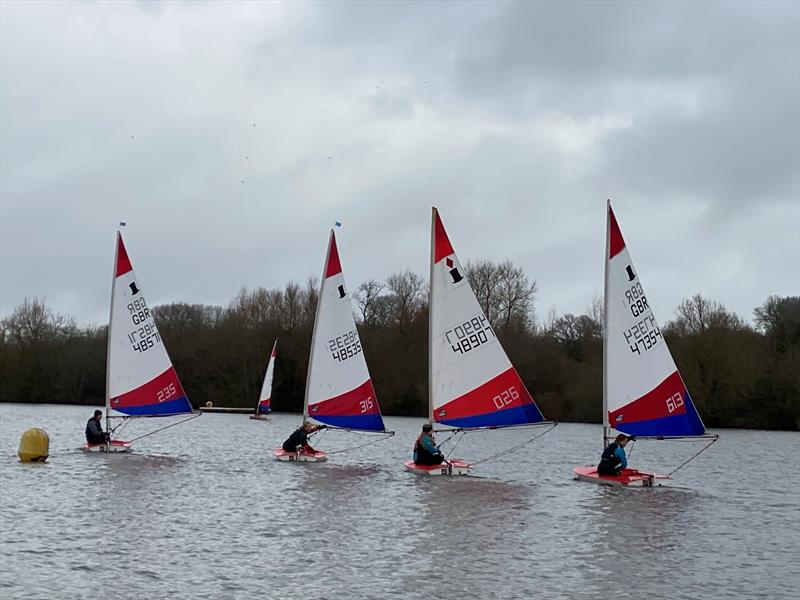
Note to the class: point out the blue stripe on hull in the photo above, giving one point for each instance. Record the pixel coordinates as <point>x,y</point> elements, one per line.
<point>170,407</point>
<point>520,415</point>
<point>679,425</point>
<point>369,422</point>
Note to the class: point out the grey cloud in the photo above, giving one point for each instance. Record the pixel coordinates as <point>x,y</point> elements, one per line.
<point>516,119</point>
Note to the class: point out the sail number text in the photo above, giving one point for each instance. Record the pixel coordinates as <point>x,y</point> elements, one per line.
<point>366,404</point>
<point>167,393</point>
<point>345,346</point>
<point>470,334</point>
<point>674,402</point>
<point>505,397</point>
<point>637,302</point>
<point>643,335</point>
<point>138,311</point>
<point>145,336</point>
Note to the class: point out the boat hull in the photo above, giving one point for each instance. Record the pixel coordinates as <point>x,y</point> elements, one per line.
<point>113,446</point>
<point>627,477</point>
<point>260,417</point>
<point>456,467</point>
<point>316,456</point>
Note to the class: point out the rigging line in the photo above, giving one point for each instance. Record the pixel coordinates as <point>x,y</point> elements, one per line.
<point>194,416</point>
<point>706,447</point>
<point>495,427</point>
<point>453,449</point>
<point>369,443</point>
<point>630,452</point>
<point>517,447</point>
<point>121,425</point>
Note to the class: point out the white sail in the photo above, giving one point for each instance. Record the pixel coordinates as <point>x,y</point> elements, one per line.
<point>644,393</point>
<point>140,379</point>
<point>265,397</point>
<point>339,389</point>
<point>473,383</point>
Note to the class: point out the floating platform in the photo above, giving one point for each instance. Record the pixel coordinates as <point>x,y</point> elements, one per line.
<point>454,466</point>
<point>627,477</point>
<point>225,409</point>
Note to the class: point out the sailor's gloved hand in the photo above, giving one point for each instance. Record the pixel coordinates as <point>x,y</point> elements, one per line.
<point>323,427</point>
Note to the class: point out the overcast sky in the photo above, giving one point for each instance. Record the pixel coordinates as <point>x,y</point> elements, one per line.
<point>230,137</point>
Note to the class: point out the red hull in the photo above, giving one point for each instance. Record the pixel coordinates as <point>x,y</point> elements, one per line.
<point>629,477</point>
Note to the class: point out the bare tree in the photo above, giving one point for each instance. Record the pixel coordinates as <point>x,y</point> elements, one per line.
<point>698,314</point>
<point>367,299</point>
<point>406,291</point>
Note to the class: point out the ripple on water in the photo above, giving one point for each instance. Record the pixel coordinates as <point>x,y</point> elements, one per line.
<point>191,514</point>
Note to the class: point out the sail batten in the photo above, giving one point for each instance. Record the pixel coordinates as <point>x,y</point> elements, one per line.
<point>645,393</point>
<point>339,389</point>
<point>473,383</point>
<point>140,378</point>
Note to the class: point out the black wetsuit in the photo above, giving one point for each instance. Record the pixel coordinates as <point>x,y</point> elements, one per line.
<point>422,456</point>
<point>298,439</point>
<point>610,462</point>
<point>94,432</point>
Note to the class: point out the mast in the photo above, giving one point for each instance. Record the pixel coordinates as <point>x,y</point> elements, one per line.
<point>108,332</point>
<point>605,322</point>
<point>430,319</point>
<point>316,319</point>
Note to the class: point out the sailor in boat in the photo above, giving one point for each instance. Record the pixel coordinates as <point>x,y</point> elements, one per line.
<point>94,430</point>
<point>299,439</point>
<point>425,450</point>
<point>614,459</point>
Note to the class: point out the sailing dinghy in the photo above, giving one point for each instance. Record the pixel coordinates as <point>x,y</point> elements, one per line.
<point>339,391</point>
<point>472,384</point>
<point>265,398</point>
<point>140,379</point>
<point>643,393</point>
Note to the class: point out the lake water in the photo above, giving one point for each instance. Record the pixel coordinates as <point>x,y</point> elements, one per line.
<point>203,511</point>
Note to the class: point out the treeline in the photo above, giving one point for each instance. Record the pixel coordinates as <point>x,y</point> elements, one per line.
<point>738,375</point>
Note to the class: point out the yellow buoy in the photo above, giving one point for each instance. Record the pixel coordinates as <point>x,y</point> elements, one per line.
<point>34,445</point>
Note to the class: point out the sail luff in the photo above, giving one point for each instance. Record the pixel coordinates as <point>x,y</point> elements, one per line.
<point>266,386</point>
<point>606,260</point>
<point>108,332</point>
<point>430,318</point>
<point>316,325</point>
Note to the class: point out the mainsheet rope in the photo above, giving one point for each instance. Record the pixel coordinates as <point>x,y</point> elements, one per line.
<point>194,416</point>
<point>706,447</point>
<point>499,454</point>
<point>387,435</point>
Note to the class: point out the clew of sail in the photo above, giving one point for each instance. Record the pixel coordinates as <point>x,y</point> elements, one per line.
<point>645,394</point>
<point>265,398</point>
<point>473,383</point>
<point>339,390</point>
<point>141,380</point>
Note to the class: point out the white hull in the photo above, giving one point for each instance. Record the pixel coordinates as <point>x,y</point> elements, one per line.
<point>113,446</point>
<point>284,456</point>
<point>454,468</point>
